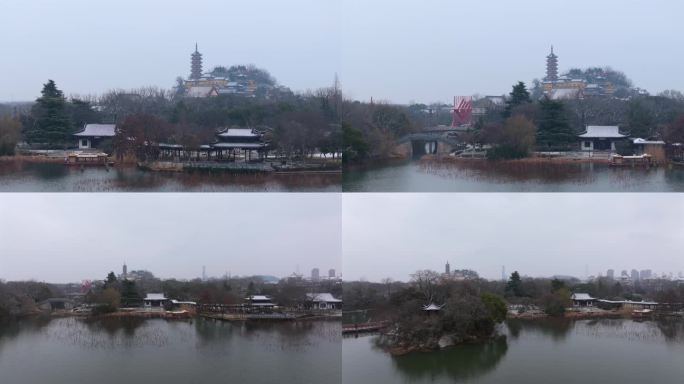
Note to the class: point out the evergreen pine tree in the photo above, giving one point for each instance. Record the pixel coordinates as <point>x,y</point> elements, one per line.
<point>553,129</point>
<point>518,96</point>
<point>52,123</point>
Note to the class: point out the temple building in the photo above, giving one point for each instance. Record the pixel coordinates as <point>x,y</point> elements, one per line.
<point>322,300</point>
<point>93,134</point>
<point>155,301</point>
<point>601,138</point>
<point>239,141</point>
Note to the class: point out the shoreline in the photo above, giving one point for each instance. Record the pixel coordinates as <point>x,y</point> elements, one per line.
<point>527,160</point>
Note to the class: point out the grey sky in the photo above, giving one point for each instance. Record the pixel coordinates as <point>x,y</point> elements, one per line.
<point>433,50</point>
<point>393,235</point>
<point>70,237</point>
<point>396,50</point>
<point>89,47</point>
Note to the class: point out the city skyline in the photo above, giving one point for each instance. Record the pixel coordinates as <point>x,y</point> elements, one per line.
<point>62,238</point>
<point>484,232</point>
<point>322,39</point>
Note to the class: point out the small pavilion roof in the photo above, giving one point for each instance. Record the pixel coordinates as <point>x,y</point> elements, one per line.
<point>97,130</point>
<point>432,307</point>
<point>602,131</point>
<point>155,296</point>
<point>322,298</point>
<point>239,132</point>
<point>582,296</point>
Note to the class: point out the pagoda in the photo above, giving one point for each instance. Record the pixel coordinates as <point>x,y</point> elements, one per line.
<point>551,67</point>
<point>196,65</point>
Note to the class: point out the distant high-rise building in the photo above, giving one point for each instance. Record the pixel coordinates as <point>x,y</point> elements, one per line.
<point>447,269</point>
<point>315,274</point>
<point>204,272</point>
<point>610,274</point>
<point>331,273</point>
<point>124,271</point>
<point>645,274</point>
<point>635,275</point>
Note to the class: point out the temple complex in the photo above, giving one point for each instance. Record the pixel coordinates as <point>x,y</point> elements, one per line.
<point>200,85</point>
<point>563,87</point>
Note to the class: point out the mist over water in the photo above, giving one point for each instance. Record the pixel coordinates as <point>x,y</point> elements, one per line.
<point>490,176</point>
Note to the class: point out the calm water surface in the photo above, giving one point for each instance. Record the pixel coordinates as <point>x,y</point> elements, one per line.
<point>131,351</point>
<point>55,177</point>
<point>564,352</point>
<point>482,176</point>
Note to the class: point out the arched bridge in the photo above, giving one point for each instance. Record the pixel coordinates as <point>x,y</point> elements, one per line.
<point>429,142</point>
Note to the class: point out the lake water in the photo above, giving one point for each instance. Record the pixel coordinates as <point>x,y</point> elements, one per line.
<point>55,177</point>
<point>560,352</point>
<point>487,176</point>
<point>70,350</point>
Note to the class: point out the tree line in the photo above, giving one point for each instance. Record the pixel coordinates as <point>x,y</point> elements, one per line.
<point>294,124</point>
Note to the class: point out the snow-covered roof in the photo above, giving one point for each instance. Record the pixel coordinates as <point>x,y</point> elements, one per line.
<point>628,302</point>
<point>258,298</point>
<point>239,145</point>
<point>602,131</point>
<point>98,130</point>
<point>564,93</point>
<point>200,91</point>
<point>432,307</point>
<point>183,302</point>
<point>172,146</point>
<point>644,141</point>
<point>322,298</point>
<point>238,132</point>
<point>582,296</point>
<point>155,296</point>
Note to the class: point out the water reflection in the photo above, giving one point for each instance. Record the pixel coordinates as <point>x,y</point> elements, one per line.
<point>115,350</point>
<point>510,176</point>
<point>21,176</point>
<point>556,329</point>
<point>457,363</point>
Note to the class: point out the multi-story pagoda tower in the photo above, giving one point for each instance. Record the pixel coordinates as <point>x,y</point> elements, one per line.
<point>551,67</point>
<point>196,65</point>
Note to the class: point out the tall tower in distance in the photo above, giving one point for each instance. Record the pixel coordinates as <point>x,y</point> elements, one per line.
<point>551,67</point>
<point>125,271</point>
<point>447,269</point>
<point>196,65</point>
<point>204,273</point>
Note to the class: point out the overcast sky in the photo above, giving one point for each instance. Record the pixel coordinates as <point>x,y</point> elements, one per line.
<point>394,235</point>
<point>71,237</point>
<point>397,50</point>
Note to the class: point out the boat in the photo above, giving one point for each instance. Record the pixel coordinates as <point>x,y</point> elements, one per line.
<point>88,158</point>
<point>644,160</point>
